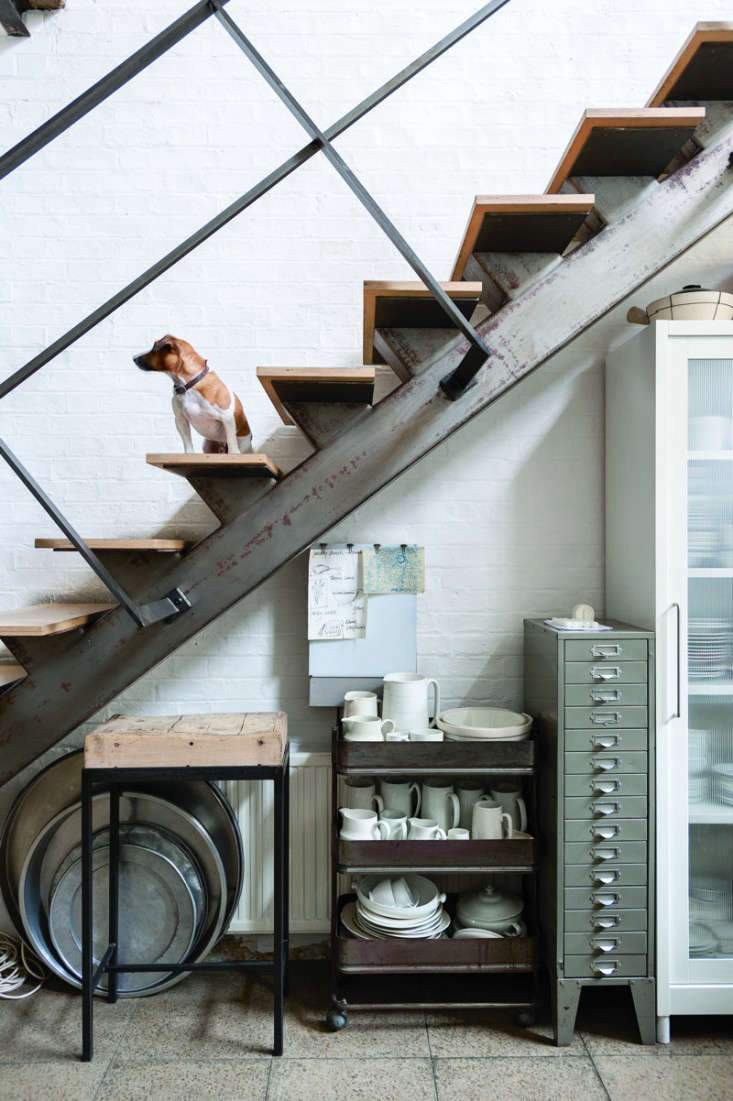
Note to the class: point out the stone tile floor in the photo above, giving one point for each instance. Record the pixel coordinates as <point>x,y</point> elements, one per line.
<point>209,1038</point>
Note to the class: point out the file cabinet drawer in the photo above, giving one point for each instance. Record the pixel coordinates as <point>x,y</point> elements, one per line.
<point>606,672</point>
<point>599,876</point>
<point>630,852</point>
<point>607,761</point>
<point>606,807</point>
<point>611,899</point>
<point>603,741</point>
<point>604,786</point>
<point>604,920</point>
<point>606,718</point>
<point>602,944</point>
<point>605,695</point>
<point>595,649</point>
<point>600,832</point>
<point>616,966</point>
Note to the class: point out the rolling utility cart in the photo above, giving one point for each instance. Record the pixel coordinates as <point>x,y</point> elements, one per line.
<point>591,695</point>
<point>445,973</point>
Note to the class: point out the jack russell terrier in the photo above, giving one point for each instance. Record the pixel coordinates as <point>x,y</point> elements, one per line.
<point>200,398</point>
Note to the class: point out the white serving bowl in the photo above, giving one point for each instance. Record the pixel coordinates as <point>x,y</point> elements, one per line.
<point>427,898</point>
<point>484,722</point>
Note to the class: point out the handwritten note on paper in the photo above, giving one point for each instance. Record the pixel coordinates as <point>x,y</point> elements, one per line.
<point>336,605</point>
<point>393,569</point>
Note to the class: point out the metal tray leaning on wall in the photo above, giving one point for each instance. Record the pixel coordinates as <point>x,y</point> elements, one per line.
<point>445,973</point>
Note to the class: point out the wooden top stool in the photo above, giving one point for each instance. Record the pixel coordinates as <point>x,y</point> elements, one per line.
<point>129,750</point>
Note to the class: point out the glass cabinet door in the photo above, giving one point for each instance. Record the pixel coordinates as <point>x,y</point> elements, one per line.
<point>709,647</point>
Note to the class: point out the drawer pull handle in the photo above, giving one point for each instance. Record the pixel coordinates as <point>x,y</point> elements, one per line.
<point>608,672</point>
<point>605,854</point>
<point>601,899</point>
<point>606,878</point>
<point>608,968</point>
<point>604,944</point>
<point>605,833</point>
<point>605,741</point>
<point>605,808</point>
<point>608,921</point>
<point>609,718</point>
<point>610,695</point>
<point>609,650</point>
<point>606,787</point>
<point>605,764</point>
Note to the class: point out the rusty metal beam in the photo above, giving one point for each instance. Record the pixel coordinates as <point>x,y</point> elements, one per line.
<point>239,556</point>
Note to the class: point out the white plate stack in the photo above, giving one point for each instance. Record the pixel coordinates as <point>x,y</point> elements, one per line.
<point>723,784</point>
<point>484,724</point>
<point>711,898</point>
<point>710,648</point>
<point>405,907</point>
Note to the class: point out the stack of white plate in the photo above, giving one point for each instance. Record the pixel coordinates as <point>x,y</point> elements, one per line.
<point>702,940</point>
<point>723,784</point>
<point>710,649</point>
<point>484,724</point>
<point>418,913</point>
<point>698,788</point>
<point>711,898</point>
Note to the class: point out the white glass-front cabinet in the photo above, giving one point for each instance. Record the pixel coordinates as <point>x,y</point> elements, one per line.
<point>669,567</point>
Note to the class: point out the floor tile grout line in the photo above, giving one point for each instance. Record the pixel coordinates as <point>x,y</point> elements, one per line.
<point>113,1055</point>
<point>269,1076</point>
<point>595,1068</point>
<point>432,1057</point>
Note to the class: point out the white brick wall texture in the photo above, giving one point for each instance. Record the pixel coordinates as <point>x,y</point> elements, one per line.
<point>509,510</point>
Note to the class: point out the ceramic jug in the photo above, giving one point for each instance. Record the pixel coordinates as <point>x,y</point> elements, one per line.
<point>405,700</point>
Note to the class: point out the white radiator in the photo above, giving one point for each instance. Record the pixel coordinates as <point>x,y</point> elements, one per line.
<point>310,847</point>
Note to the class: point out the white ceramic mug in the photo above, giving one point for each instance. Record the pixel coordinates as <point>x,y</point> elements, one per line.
<point>509,796</point>
<point>396,824</point>
<point>425,829</point>
<point>360,703</point>
<point>361,794</point>
<point>361,825</point>
<point>406,700</point>
<point>440,803</point>
<point>366,728</point>
<point>398,795</point>
<point>427,734</point>
<point>458,833</point>
<point>488,818</point>
<point>468,795</point>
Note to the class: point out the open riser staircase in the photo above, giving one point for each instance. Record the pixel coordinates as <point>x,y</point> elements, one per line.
<point>634,190</point>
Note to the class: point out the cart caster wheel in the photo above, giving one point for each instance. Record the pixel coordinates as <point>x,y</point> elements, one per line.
<point>526,1018</point>
<point>336,1020</point>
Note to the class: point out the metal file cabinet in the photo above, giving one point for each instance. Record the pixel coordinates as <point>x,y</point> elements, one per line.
<point>592,699</point>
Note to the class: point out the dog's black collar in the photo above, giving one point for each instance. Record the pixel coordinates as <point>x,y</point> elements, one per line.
<point>182,387</point>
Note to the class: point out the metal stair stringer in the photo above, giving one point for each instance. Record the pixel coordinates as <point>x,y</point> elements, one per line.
<point>237,557</point>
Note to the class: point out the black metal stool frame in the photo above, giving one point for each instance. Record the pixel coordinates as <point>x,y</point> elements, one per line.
<point>114,780</point>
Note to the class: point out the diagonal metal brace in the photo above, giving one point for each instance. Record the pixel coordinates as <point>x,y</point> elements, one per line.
<point>170,605</point>
<point>478,349</point>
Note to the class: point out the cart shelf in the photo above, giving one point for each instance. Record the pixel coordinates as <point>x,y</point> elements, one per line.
<point>514,855</point>
<point>434,758</point>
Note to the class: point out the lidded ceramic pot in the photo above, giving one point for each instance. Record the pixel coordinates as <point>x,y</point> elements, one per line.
<point>692,303</point>
<point>489,908</point>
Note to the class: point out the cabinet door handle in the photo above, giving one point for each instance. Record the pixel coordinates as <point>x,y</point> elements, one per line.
<point>678,712</point>
<point>605,741</point>
<point>608,672</point>
<point>605,809</point>
<point>606,718</point>
<point>609,650</point>
<point>604,854</point>
<point>607,969</point>
<point>609,695</point>
<point>601,899</point>
<point>604,944</point>
<point>608,921</point>
<point>605,764</point>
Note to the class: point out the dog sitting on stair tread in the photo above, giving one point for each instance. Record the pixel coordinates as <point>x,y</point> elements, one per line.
<point>200,399</point>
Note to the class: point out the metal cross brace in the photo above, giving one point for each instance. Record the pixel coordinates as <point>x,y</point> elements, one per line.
<point>480,351</point>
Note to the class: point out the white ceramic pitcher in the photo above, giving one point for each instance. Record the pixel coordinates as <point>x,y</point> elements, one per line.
<point>405,700</point>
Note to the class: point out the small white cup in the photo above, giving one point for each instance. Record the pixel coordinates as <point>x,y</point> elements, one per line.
<point>396,824</point>
<point>361,825</point>
<point>488,819</point>
<point>425,829</point>
<point>426,734</point>
<point>360,703</point>
<point>459,834</point>
<point>362,793</point>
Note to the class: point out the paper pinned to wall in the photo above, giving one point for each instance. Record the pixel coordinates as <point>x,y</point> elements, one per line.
<point>393,569</point>
<point>337,607</point>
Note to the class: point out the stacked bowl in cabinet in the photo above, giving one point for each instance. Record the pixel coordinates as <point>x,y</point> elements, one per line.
<point>591,697</point>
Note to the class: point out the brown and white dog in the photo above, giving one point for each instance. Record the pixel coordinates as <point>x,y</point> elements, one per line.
<point>200,398</point>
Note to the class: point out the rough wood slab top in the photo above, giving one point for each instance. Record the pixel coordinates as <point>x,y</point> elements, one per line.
<point>179,741</point>
<point>48,619</point>
<point>167,545</point>
<point>252,465</point>
<point>10,672</point>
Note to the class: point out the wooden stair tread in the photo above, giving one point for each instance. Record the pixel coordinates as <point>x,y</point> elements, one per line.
<point>294,385</point>
<point>10,672</point>
<point>48,619</point>
<point>252,465</point>
<point>631,142</point>
<point>401,304</point>
<point>521,223</point>
<point>163,545</point>
<point>703,69</point>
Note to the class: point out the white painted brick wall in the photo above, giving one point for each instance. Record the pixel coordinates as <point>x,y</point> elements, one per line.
<point>510,509</point>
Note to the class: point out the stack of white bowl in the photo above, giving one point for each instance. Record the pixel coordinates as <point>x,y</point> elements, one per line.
<point>402,907</point>
<point>484,724</point>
